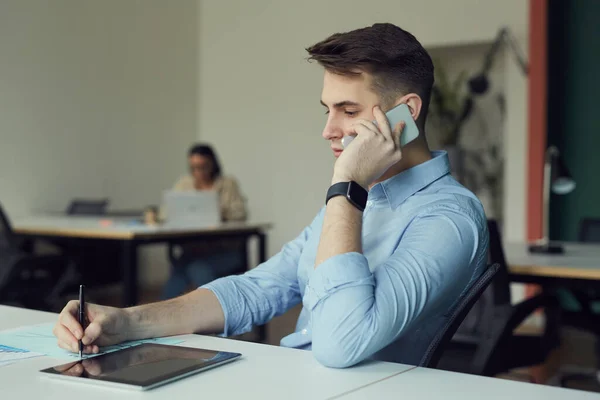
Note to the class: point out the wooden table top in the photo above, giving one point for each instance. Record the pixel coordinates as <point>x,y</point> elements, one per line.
<point>579,261</point>
<point>121,228</point>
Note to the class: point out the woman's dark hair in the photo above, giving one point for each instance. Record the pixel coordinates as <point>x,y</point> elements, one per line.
<point>208,152</point>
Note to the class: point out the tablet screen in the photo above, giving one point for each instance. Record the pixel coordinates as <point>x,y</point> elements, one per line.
<point>144,365</point>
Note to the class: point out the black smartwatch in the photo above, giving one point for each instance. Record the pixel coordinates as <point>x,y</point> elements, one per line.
<point>352,191</point>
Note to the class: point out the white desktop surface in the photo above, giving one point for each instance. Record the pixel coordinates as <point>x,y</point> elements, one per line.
<point>264,372</point>
<point>432,384</point>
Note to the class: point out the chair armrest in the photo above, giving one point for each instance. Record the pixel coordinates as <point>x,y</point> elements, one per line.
<point>527,307</point>
<point>503,322</point>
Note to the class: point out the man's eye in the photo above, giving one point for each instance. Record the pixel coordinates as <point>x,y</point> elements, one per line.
<point>326,112</point>
<point>350,113</point>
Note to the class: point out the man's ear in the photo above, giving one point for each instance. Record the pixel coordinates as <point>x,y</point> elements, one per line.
<point>414,103</point>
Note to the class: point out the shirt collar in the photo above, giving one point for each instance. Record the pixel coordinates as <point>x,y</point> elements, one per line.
<point>400,187</point>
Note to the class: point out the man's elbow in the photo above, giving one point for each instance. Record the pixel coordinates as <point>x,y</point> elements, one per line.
<point>333,353</point>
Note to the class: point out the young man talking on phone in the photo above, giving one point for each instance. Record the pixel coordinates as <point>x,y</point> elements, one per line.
<point>379,268</point>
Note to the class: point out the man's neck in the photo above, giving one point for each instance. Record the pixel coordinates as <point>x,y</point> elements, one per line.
<point>413,154</point>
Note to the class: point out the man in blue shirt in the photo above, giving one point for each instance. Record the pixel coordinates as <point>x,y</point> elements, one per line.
<point>382,264</point>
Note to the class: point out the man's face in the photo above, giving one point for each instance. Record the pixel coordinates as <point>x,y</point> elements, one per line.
<point>346,99</point>
<point>200,168</point>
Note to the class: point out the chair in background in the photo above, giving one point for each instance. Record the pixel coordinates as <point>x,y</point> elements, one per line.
<point>589,230</point>
<point>485,343</point>
<point>580,309</point>
<point>440,341</point>
<point>87,207</point>
<point>29,280</point>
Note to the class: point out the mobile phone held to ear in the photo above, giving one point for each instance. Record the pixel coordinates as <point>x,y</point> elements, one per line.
<point>399,113</point>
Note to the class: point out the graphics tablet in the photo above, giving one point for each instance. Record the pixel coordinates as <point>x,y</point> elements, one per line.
<point>141,367</point>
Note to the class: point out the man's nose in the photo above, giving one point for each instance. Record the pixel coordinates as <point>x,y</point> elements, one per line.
<point>332,130</point>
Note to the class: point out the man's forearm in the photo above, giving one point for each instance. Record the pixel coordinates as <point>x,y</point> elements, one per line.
<point>341,233</point>
<point>196,312</point>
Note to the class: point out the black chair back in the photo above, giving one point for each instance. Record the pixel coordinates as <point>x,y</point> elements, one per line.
<point>442,338</point>
<point>7,238</point>
<point>496,295</point>
<point>589,230</point>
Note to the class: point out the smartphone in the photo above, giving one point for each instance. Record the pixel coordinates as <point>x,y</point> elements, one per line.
<point>399,113</point>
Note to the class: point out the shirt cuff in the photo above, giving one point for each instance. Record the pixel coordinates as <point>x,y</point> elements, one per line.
<point>336,273</point>
<point>229,312</point>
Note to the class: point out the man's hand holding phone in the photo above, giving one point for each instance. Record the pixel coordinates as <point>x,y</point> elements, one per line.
<point>374,150</point>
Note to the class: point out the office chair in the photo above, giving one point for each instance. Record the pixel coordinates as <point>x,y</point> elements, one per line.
<point>28,280</point>
<point>485,343</point>
<point>580,309</point>
<point>442,338</point>
<point>87,207</point>
<point>589,230</point>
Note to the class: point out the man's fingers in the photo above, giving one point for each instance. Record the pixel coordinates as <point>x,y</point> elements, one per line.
<point>382,122</point>
<point>91,349</point>
<point>67,346</point>
<point>398,129</point>
<point>67,318</point>
<point>361,129</point>
<point>92,332</point>
<point>65,336</point>
<point>368,124</point>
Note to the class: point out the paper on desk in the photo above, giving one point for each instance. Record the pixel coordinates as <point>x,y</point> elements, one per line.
<point>8,355</point>
<point>39,339</point>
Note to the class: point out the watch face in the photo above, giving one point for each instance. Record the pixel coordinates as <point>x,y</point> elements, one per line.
<point>357,194</point>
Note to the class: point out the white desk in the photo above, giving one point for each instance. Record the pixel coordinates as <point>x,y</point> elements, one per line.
<point>431,384</point>
<point>265,372</point>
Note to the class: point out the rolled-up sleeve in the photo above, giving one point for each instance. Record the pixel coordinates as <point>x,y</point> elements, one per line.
<point>342,271</point>
<point>357,312</point>
<point>264,292</point>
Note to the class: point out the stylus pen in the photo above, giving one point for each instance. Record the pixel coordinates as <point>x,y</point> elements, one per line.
<point>81,317</point>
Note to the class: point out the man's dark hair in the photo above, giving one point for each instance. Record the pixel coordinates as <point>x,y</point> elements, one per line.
<point>208,152</point>
<point>396,60</point>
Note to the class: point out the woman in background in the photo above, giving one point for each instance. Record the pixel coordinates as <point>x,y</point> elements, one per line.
<point>205,261</point>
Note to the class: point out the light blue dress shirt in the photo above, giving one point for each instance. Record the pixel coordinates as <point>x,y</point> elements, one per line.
<point>424,241</point>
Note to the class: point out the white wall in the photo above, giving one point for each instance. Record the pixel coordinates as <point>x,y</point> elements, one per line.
<point>97,98</point>
<point>259,99</point>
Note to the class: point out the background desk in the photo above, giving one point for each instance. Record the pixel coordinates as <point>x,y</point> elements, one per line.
<point>431,384</point>
<point>130,236</point>
<point>264,372</point>
<point>578,266</point>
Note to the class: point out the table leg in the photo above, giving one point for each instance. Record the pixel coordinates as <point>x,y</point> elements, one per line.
<point>262,257</point>
<point>129,268</point>
<point>262,248</point>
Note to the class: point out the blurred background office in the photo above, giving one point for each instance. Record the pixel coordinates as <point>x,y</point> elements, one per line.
<point>99,101</point>
<point>202,262</point>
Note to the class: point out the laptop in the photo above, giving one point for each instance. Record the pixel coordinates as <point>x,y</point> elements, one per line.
<point>191,209</point>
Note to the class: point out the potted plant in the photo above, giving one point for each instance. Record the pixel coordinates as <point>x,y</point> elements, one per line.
<point>446,114</point>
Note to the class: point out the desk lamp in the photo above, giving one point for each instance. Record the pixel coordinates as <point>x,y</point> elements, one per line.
<point>557,180</point>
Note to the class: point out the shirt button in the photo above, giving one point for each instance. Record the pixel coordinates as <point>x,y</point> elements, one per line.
<point>304,331</point>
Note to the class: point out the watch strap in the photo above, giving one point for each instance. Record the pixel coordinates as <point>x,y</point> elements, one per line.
<point>352,191</point>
